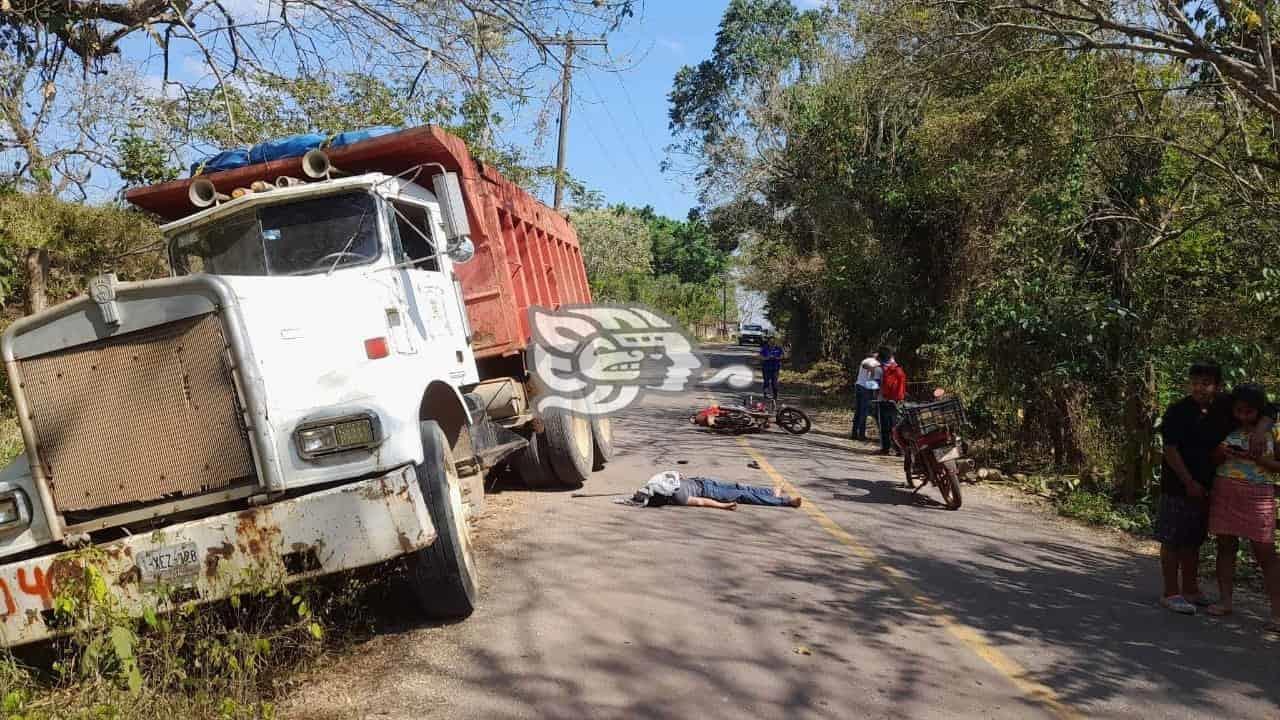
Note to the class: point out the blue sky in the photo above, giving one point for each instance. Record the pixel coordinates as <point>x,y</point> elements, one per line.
<point>618,129</point>
<point>617,136</point>
<point>618,126</point>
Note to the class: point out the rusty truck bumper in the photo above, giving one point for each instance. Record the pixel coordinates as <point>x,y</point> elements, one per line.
<point>328,531</point>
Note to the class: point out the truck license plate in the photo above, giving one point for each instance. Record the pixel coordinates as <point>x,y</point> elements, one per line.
<point>170,564</point>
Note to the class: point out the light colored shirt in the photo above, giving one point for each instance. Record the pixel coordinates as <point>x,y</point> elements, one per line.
<point>1243,468</point>
<point>664,483</point>
<point>869,374</point>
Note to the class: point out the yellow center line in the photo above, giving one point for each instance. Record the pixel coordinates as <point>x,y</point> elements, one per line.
<point>970,637</point>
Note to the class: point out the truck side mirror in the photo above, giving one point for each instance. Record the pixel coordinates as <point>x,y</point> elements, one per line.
<point>454,211</point>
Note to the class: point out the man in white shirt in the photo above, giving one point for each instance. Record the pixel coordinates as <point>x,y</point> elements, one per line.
<point>866,388</point>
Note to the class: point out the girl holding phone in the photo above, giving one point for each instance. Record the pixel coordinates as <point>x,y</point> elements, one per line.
<point>1243,504</point>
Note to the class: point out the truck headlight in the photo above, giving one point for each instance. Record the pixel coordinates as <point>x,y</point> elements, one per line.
<point>349,432</point>
<point>15,512</point>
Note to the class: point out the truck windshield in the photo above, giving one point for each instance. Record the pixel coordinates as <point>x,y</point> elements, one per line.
<point>297,238</point>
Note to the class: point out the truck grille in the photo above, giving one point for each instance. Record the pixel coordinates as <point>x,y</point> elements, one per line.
<point>144,416</point>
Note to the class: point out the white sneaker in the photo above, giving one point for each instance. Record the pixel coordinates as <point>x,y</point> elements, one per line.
<point>1178,604</point>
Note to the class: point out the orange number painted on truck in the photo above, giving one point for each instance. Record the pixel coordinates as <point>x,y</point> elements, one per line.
<point>9,607</point>
<point>39,587</point>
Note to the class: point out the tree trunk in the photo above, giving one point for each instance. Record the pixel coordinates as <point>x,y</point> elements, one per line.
<point>801,332</point>
<point>37,279</point>
<point>1133,469</point>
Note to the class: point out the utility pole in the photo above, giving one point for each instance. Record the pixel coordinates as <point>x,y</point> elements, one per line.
<point>724,304</point>
<point>566,93</point>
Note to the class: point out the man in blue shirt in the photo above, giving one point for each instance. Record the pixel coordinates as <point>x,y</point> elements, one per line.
<point>770,365</point>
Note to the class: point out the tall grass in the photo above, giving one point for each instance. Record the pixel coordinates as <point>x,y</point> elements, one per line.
<point>229,660</point>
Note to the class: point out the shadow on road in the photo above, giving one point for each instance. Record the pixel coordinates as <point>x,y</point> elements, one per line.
<point>1030,581</point>
<point>601,610</point>
<point>886,492</point>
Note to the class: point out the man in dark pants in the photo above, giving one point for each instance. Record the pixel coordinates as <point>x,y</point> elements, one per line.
<point>673,488</point>
<point>770,366</point>
<point>1192,428</point>
<point>893,390</point>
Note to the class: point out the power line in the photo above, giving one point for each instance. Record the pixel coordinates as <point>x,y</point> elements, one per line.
<point>626,94</point>
<point>604,152</point>
<point>626,145</point>
<point>649,145</point>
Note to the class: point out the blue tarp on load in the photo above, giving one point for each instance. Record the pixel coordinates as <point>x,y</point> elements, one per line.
<point>351,137</point>
<point>225,160</point>
<point>287,147</point>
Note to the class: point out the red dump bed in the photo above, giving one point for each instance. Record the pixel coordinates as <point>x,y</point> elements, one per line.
<point>526,253</point>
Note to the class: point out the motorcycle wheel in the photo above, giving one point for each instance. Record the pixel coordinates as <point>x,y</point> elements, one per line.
<point>949,485</point>
<point>794,421</point>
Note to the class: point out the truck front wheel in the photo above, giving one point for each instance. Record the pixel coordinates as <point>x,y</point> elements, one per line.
<point>569,442</point>
<point>443,575</point>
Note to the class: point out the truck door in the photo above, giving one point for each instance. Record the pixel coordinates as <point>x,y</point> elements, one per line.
<point>432,294</point>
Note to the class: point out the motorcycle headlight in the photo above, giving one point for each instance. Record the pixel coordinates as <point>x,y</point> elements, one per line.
<point>349,432</point>
<point>15,511</point>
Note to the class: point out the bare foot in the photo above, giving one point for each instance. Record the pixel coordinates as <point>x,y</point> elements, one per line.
<point>731,506</point>
<point>795,502</point>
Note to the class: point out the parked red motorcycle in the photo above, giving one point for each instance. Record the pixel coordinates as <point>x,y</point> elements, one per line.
<point>932,449</point>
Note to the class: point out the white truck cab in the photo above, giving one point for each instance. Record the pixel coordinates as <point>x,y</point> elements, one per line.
<point>289,403</point>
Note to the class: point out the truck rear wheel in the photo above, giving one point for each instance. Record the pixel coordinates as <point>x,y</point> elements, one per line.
<point>569,442</point>
<point>443,576</point>
<point>601,441</point>
<point>534,464</point>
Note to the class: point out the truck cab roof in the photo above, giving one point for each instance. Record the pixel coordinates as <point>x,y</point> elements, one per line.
<point>309,228</point>
<point>304,190</point>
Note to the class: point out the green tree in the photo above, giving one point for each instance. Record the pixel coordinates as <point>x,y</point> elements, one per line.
<point>77,241</point>
<point>1054,234</point>
<point>613,242</point>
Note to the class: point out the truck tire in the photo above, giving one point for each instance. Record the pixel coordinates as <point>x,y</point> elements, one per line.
<point>443,576</point>
<point>534,464</point>
<point>569,444</point>
<point>601,441</point>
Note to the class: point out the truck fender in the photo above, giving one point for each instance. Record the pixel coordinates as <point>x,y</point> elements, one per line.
<point>443,403</point>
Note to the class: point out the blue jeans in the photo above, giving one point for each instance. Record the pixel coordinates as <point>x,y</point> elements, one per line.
<point>770,381</point>
<point>739,493</point>
<point>862,410</point>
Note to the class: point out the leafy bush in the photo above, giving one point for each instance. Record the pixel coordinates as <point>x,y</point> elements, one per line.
<point>225,660</point>
<point>1100,509</point>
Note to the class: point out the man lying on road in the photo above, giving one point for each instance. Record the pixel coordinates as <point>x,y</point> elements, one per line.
<point>672,488</point>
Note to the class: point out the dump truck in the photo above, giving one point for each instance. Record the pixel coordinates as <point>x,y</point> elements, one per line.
<point>325,382</point>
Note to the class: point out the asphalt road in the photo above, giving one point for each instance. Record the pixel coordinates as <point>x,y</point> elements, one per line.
<point>864,603</point>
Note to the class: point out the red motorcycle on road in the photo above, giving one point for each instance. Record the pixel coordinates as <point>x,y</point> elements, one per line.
<point>752,414</point>
<point>932,449</point>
